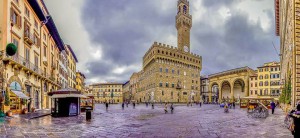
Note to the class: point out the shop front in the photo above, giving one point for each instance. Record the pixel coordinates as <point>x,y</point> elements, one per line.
<point>87,102</point>
<point>65,102</point>
<point>17,99</point>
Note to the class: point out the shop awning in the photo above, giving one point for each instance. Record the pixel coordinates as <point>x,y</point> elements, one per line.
<point>68,95</point>
<point>20,94</point>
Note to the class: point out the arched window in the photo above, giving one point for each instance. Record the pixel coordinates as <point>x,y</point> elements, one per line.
<point>184,9</point>
<point>157,51</point>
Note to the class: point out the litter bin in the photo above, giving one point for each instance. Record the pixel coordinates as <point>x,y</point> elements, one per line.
<point>88,111</point>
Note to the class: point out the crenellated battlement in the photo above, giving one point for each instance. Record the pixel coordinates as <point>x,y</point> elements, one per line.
<point>164,45</point>
<point>157,44</point>
<point>184,1</point>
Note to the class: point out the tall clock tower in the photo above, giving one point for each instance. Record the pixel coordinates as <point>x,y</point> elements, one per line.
<point>183,25</point>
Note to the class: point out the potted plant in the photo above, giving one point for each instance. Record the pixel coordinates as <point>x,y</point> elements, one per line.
<point>32,109</point>
<point>9,113</point>
<point>24,111</point>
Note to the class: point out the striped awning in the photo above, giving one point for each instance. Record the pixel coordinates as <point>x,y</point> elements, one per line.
<point>20,94</point>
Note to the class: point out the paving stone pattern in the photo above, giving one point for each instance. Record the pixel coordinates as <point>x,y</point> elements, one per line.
<point>209,121</point>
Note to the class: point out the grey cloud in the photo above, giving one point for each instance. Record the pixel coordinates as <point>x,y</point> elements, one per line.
<point>239,42</point>
<point>218,3</point>
<point>126,29</point>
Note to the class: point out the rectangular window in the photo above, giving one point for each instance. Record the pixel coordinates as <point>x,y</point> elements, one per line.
<point>36,25</point>
<point>173,71</point>
<point>16,42</point>
<point>167,70</point>
<point>45,51</point>
<point>27,54</point>
<point>35,39</point>
<point>173,85</point>
<point>160,84</point>
<point>162,93</point>
<point>184,93</point>
<point>260,92</point>
<point>167,84</point>
<point>255,91</point>
<point>36,60</point>
<point>160,69</point>
<point>27,12</point>
<point>271,69</point>
<point>275,69</point>
<point>44,35</point>
<point>15,18</point>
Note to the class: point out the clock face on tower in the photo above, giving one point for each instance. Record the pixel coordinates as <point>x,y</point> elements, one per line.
<point>186,49</point>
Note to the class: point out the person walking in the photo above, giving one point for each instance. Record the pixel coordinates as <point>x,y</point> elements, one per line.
<point>106,105</point>
<point>146,104</point>
<point>273,107</point>
<point>295,126</point>
<point>172,108</point>
<point>127,104</point>
<point>123,105</point>
<point>233,105</point>
<point>166,108</point>
<point>152,105</point>
<point>200,103</point>
<point>133,105</point>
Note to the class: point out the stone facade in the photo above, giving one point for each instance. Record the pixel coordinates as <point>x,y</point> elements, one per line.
<point>253,84</point>
<point>204,90</point>
<point>126,91</point>
<point>231,84</point>
<point>80,84</point>
<point>107,92</point>
<point>287,27</point>
<point>35,69</point>
<point>267,81</point>
<point>170,74</point>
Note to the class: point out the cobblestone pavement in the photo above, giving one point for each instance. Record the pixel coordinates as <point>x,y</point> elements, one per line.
<point>209,121</point>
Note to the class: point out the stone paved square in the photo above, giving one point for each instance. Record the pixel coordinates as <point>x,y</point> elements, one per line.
<point>209,121</point>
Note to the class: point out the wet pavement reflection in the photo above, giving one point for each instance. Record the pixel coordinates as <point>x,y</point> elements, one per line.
<point>209,121</point>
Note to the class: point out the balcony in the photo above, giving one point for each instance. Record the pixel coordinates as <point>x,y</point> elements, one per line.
<point>27,66</point>
<point>28,38</point>
<point>22,62</point>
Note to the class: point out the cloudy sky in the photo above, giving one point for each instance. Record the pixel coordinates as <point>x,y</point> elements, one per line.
<point>110,37</point>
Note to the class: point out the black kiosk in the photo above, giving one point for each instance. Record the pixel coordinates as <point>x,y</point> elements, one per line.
<point>65,102</point>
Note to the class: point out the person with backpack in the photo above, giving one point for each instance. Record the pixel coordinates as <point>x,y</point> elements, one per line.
<point>295,125</point>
